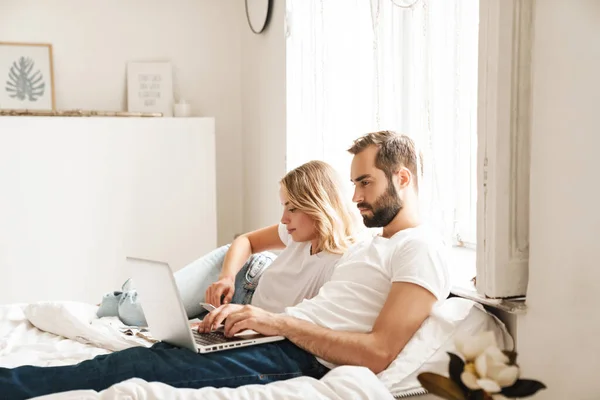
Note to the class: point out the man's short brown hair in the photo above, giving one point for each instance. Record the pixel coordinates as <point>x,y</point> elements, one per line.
<point>395,150</point>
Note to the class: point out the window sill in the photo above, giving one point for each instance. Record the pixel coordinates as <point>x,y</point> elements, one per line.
<point>463,269</point>
<point>512,306</point>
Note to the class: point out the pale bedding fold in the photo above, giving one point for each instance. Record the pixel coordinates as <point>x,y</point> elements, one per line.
<point>84,336</point>
<point>63,333</point>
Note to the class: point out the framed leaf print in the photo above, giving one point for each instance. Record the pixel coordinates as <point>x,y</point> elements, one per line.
<point>26,76</point>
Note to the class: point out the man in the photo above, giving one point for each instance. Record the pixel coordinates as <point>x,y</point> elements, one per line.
<point>378,296</point>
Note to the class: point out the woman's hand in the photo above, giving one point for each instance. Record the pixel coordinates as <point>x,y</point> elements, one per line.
<point>216,317</point>
<point>224,287</point>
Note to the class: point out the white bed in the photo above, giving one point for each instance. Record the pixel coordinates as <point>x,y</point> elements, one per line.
<point>62,333</point>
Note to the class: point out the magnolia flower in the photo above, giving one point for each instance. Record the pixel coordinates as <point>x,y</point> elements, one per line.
<point>473,346</point>
<point>486,366</point>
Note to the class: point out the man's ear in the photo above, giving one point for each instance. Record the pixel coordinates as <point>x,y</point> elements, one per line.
<point>403,177</point>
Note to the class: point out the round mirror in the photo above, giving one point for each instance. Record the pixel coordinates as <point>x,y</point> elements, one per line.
<point>258,13</point>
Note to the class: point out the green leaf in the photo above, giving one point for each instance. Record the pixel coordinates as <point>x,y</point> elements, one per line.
<point>441,386</point>
<point>455,368</point>
<point>512,357</point>
<point>523,388</point>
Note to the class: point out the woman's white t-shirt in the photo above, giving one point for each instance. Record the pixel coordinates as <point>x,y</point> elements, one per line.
<point>295,275</point>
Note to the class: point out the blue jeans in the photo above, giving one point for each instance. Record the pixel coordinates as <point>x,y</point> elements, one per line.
<point>192,282</point>
<point>162,362</point>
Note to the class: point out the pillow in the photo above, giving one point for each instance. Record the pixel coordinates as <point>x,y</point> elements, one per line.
<point>426,350</point>
<point>78,321</point>
<point>63,318</point>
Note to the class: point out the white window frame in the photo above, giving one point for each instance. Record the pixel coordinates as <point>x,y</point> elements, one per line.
<point>465,212</point>
<point>504,131</point>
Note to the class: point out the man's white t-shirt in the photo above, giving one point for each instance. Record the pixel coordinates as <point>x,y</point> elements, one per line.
<point>293,276</point>
<point>361,281</point>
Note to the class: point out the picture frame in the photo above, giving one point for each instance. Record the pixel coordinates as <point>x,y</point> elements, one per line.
<point>26,76</point>
<point>150,87</point>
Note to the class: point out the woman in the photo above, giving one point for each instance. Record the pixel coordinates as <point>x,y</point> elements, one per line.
<point>315,229</point>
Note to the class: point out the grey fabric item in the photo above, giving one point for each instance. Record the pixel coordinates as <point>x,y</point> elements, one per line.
<point>109,307</point>
<point>192,282</point>
<point>130,309</point>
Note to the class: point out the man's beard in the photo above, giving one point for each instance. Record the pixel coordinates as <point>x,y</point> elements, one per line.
<point>385,208</point>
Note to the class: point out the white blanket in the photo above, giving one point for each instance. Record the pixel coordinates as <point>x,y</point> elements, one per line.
<point>84,337</point>
<point>62,333</point>
<point>23,344</point>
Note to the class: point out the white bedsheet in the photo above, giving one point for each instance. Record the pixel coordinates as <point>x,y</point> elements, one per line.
<point>69,333</point>
<point>23,344</point>
<point>84,337</point>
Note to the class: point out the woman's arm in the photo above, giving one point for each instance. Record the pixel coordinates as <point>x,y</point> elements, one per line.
<point>241,248</point>
<point>247,244</point>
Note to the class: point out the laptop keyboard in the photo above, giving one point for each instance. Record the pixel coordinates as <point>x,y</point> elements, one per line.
<point>215,337</point>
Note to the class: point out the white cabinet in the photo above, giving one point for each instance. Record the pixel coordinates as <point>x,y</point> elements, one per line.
<point>78,195</point>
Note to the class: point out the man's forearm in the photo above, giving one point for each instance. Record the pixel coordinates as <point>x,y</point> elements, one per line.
<point>341,348</point>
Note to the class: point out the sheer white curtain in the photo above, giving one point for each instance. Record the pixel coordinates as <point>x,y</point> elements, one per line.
<point>356,66</point>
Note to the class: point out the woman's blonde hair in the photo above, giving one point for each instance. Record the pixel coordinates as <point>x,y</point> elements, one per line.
<point>315,189</point>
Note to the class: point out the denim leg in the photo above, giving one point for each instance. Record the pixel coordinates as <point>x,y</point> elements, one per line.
<point>192,282</point>
<point>177,367</point>
<point>247,279</point>
<point>193,279</point>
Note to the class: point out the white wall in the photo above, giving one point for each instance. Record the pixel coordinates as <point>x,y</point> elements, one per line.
<point>78,195</point>
<point>559,337</point>
<point>93,41</point>
<point>264,119</point>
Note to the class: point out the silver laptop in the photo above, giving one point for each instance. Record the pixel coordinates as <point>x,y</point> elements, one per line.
<point>166,316</point>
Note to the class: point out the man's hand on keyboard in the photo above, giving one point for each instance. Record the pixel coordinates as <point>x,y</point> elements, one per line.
<point>256,319</point>
<point>195,325</point>
<point>215,318</point>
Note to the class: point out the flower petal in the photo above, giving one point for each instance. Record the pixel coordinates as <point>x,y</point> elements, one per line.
<point>470,380</point>
<point>489,385</point>
<point>472,346</point>
<point>507,376</point>
<point>497,354</point>
<point>459,344</point>
<point>481,365</point>
<point>494,369</point>
<point>487,338</point>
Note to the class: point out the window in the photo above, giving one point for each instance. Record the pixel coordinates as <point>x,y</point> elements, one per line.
<point>356,66</point>
<point>455,75</point>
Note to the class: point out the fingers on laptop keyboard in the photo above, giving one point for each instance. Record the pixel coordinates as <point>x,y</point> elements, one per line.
<point>195,326</point>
